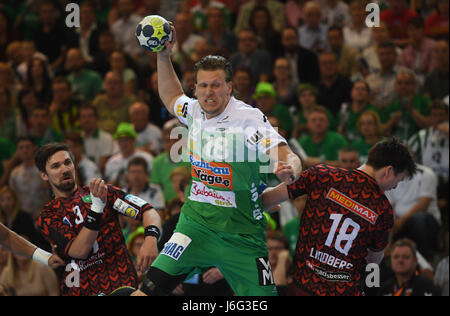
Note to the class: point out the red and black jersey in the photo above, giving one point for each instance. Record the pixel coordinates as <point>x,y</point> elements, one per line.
<point>109,264</point>
<point>346,214</point>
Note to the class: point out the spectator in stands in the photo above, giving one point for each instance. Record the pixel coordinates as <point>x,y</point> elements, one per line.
<point>186,39</point>
<point>307,98</point>
<point>26,181</point>
<point>222,41</point>
<point>348,158</point>
<point>13,216</point>
<point>40,127</point>
<point>7,150</point>
<point>276,10</point>
<point>261,24</point>
<point>417,215</point>
<point>64,107</point>
<point>28,52</point>
<point>408,113</point>
<point>118,62</point>
<point>26,101</point>
<point>279,259</point>
<point>382,83</point>
<point>437,82</point>
<point>86,83</point>
<point>357,34</point>
<point>265,98</point>
<point>8,115</point>
<point>249,55</point>
<point>407,281</point>
<point>334,89</point>
<point>320,144</point>
<point>163,164</point>
<point>370,130</point>
<point>313,34</point>
<point>436,24</point>
<point>52,38</point>
<point>88,32</point>
<point>242,85</point>
<point>335,13</point>
<point>113,105</point>
<point>200,14</point>
<point>6,33</point>
<point>396,17</point>
<point>285,86</point>
<point>304,62</point>
<point>294,12</point>
<point>106,46</point>
<point>369,60</point>
<point>29,278</point>
<point>86,169</point>
<point>149,136</point>
<point>350,112</point>
<point>117,165</point>
<point>347,56</point>
<point>431,148</point>
<point>138,180</point>
<point>98,144</point>
<point>39,80</point>
<point>418,56</point>
<point>124,29</point>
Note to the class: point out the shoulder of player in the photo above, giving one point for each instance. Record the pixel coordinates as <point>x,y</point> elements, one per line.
<point>244,112</point>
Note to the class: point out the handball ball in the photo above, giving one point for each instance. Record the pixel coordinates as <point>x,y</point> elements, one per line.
<point>152,32</point>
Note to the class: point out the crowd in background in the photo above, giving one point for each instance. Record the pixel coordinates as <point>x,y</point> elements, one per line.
<point>331,85</point>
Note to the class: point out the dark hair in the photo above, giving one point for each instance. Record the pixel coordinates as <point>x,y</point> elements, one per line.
<point>269,27</point>
<point>363,81</point>
<point>387,44</point>
<point>138,161</point>
<point>211,62</point>
<point>73,137</point>
<point>335,28</point>
<point>45,152</point>
<point>89,106</point>
<point>24,139</point>
<point>405,242</point>
<point>392,152</point>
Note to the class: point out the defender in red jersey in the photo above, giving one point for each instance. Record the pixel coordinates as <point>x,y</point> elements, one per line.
<point>83,223</point>
<point>346,220</point>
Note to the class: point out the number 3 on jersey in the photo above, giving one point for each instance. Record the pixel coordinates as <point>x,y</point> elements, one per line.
<point>343,235</point>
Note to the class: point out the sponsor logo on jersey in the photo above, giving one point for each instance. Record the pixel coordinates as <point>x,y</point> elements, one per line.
<point>135,200</point>
<point>212,173</point>
<point>176,245</point>
<point>329,276</point>
<point>182,109</point>
<point>256,138</point>
<point>353,206</point>
<point>264,271</point>
<point>124,208</point>
<point>201,193</point>
<point>87,198</point>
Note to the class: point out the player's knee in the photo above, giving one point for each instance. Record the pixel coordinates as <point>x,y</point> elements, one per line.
<point>160,283</point>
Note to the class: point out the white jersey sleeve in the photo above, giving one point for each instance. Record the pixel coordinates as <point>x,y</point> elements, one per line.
<point>183,105</point>
<point>260,134</point>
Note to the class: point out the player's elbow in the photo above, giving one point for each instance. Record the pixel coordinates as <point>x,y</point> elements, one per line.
<point>79,253</point>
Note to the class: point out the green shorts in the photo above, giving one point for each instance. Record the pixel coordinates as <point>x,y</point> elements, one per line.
<point>242,259</point>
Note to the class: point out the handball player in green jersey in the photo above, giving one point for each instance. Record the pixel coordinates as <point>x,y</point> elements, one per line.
<point>221,224</point>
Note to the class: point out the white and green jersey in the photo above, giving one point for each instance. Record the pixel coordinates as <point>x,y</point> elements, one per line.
<point>431,148</point>
<point>228,161</point>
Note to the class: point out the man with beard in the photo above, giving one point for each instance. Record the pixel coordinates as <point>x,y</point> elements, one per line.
<point>83,222</point>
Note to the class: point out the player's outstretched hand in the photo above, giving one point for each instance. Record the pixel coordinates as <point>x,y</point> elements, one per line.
<point>169,45</point>
<point>284,172</point>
